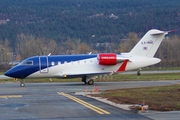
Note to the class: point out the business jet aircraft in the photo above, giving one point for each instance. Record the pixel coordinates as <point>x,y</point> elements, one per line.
<point>89,66</point>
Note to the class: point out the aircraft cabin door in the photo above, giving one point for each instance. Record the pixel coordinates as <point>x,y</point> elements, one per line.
<point>43,64</point>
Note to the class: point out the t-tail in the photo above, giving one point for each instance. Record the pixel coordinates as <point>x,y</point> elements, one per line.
<point>149,43</point>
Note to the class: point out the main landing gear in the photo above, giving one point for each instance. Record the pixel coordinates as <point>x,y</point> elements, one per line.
<point>139,73</point>
<point>87,81</point>
<point>22,83</point>
<point>91,82</point>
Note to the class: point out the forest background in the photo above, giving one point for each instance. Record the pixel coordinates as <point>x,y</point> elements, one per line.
<point>40,27</point>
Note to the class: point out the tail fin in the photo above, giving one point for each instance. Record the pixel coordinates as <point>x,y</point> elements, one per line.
<point>149,43</point>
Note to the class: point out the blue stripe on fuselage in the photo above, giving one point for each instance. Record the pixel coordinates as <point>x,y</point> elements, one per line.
<point>22,71</point>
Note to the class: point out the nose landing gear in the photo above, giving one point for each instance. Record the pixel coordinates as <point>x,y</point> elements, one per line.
<point>22,83</point>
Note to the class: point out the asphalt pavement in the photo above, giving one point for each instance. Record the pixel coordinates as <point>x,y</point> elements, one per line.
<point>59,101</point>
<point>56,101</point>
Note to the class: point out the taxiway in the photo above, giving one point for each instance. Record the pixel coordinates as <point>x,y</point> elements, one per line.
<point>59,101</point>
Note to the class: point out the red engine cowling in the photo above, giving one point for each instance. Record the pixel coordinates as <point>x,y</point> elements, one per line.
<point>107,59</point>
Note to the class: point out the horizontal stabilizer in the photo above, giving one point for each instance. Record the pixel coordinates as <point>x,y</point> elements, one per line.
<point>158,32</point>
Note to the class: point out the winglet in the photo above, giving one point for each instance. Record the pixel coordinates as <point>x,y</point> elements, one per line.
<point>123,66</point>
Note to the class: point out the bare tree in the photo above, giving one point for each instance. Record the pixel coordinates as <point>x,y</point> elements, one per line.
<point>6,53</point>
<point>70,46</point>
<point>168,52</point>
<point>129,43</point>
<point>46,46</point>
<point>83,48</point>
<point>28,45</point>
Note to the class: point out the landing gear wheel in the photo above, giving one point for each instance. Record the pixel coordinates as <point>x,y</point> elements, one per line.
<point>22,84</point>
<point>91,82</point>
<point>138,72</point>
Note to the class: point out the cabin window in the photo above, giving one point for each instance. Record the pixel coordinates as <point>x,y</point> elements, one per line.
<point>28,62</point>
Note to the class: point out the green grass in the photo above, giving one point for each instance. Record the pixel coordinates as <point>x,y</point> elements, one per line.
<point>147,77</point>
<point>41,80</point>
<point>116,78</point>
<point>165,98</point>
<point>159,69</point>
<point>2,73</point>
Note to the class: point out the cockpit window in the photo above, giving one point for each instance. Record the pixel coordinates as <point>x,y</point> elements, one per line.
<point>28,62</point>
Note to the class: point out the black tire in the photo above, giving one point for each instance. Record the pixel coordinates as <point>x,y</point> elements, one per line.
<point>138,73</point>
<point>91,82</point>
<point>22,84</point>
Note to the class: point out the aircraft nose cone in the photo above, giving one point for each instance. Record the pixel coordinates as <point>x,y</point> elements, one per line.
<point>14,73</point>
<point>8,73</point>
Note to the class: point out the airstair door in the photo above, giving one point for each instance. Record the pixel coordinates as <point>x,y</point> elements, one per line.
<point>43,64</point>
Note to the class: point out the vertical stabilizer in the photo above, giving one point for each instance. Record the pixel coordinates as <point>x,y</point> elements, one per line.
<point>149,43</point>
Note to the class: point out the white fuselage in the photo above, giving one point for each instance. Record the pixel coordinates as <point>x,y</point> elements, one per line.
<point>91,67</point>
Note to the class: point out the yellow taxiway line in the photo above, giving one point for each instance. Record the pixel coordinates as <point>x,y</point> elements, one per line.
<point>90,106</point>
<point>11,96</point>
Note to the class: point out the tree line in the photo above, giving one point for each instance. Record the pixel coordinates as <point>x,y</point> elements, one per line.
<point>80,19</point>
<point>29,45</point>
<point>33,27</point>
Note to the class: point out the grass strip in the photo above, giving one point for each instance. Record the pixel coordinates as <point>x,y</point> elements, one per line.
<point>116,78</point>
<point>164,98</point>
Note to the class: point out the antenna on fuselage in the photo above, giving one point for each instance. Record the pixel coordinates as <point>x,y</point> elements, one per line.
<point>89,53</point>
<point>49,54</point>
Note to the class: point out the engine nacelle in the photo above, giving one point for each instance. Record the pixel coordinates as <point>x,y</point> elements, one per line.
<point>107,59</point>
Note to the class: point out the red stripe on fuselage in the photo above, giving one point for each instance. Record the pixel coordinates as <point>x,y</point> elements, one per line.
<point>123,66</point>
